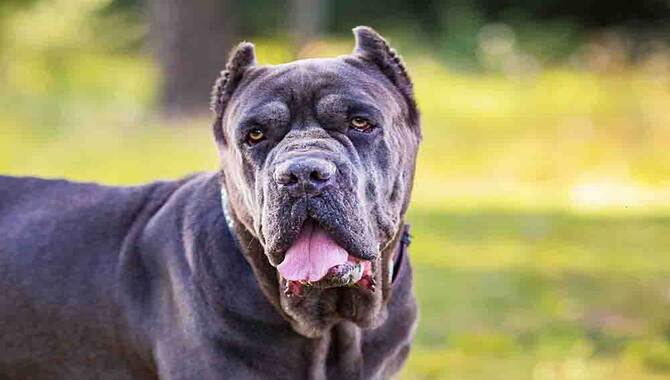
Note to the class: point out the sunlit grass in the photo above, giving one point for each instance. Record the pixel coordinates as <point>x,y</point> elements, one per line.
<point>522,295</point>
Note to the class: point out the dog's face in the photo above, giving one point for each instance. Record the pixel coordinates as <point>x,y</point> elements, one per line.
<point>318,160</point>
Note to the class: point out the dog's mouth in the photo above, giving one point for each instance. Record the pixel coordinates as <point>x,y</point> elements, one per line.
<point>316,260</point>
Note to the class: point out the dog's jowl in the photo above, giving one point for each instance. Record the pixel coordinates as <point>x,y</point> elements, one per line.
<point>289,263</point>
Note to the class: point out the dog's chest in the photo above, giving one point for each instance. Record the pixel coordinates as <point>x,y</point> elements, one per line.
<point>347,352</point>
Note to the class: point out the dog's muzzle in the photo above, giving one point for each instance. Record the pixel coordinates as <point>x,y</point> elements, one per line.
<point>304,175</point>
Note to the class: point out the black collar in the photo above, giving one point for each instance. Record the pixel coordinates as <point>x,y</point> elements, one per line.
<point>405,241</point>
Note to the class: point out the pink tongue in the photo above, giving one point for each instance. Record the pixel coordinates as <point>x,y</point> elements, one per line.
<point>311,255</point>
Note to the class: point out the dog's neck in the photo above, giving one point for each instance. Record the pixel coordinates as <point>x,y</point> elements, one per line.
<point>234,284</point>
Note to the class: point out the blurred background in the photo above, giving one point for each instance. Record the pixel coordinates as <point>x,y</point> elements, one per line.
<point>541,211</point>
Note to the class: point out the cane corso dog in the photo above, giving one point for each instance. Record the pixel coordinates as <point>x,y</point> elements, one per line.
<point>289,263</point>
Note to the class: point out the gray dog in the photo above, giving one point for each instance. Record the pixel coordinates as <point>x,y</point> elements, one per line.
<point>288,264</point>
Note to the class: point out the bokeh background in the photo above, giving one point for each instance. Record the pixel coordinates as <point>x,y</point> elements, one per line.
<point>541,212</point>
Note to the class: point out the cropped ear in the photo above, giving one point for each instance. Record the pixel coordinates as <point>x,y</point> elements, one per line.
<point>242,57</point>
<point>372,47</point>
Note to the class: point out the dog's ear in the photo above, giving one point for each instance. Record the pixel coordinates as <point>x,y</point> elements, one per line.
<point>371,46</point>
<point>242,57</point>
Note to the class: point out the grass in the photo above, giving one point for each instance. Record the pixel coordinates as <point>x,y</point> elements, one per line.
<point>541,211</point>
<point>528,295</point>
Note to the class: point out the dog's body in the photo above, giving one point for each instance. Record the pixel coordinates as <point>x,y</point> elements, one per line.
<point>105,283</point>
<point>172,280</point>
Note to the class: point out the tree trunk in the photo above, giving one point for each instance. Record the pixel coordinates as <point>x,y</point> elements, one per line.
<point>306,20</point>
<point>191,40</point>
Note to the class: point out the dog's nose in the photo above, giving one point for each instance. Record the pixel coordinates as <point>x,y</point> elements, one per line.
<point>305,175</point>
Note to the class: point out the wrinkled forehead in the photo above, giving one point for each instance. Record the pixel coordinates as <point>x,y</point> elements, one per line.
<point>315,83</point>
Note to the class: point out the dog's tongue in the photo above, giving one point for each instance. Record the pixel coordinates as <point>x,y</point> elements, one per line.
<point>311,255</point>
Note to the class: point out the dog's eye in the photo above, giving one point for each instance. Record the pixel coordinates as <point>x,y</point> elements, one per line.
<point>255,136</point>
<point>360,124</point>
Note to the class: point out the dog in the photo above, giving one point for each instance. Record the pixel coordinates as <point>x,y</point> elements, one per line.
<point>288,263</point>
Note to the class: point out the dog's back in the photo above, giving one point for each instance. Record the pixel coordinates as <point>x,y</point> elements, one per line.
<point>59,252</point>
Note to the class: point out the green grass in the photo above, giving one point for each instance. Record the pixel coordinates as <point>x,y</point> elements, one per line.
<point>525,295</point>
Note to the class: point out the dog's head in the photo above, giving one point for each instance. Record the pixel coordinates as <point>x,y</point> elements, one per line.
<point>318,159</point>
